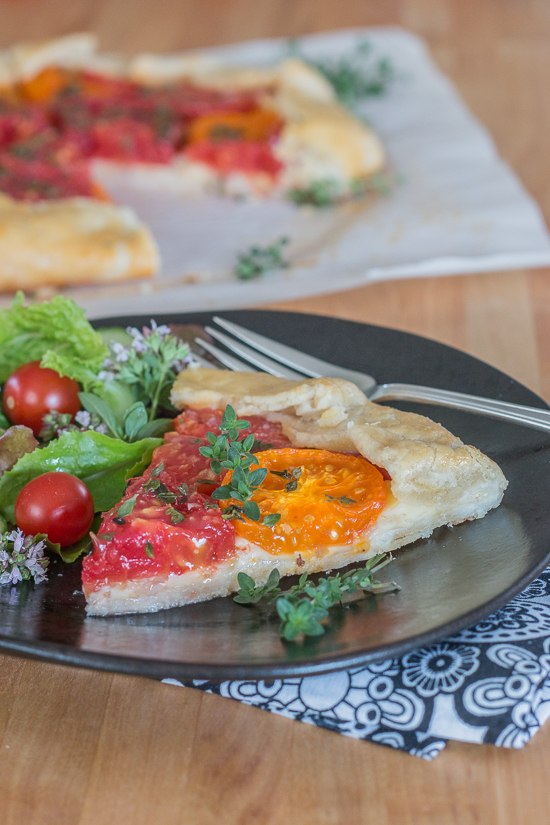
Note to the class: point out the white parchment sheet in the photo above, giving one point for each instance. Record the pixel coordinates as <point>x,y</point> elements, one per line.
<point>458,207</point>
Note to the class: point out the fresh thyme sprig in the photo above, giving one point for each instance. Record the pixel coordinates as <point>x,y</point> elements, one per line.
<point>354,76</point>
<point>303,609</point>
<point>320,193</point>
<point>228,453</point>
<point>250,594</point>
<point>328,192</point>
<point>259,259</point>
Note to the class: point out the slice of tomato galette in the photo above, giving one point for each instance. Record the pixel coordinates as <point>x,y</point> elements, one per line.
<point>348,478</point>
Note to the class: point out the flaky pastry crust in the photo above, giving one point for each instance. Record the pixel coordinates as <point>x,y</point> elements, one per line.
<point>71,241</point>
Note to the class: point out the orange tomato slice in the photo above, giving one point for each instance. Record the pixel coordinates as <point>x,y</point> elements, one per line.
<point>45,85</point>
<point>324,499</point>
<point>257,125</point>
<point>98,192</point>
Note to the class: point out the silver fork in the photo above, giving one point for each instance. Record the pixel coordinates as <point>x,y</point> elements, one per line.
<point>282,361</point>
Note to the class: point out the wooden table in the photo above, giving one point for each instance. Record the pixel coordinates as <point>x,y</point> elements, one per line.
<point>86,748</point>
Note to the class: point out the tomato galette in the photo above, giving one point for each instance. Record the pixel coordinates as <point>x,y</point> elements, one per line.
<point>65,110</point>
<point>346,479</point>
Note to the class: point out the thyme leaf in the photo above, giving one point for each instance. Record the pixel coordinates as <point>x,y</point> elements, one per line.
<point>258,260</point>
<point>175,516</point>
<point>126,507</point>
<point>320,193</point>
<point>226,452</point>
<point>355,76</point>
<point>304,608</point>
<point>341,499</point>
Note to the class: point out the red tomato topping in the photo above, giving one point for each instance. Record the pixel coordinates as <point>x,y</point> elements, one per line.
<point>196,423</point>
<point>31,391</point>
<point>52,124</point>
<point>126,139</point>
<point>19,123</point>
<point>200,539</point>
<point>57,504</point>
<point>235,156</point>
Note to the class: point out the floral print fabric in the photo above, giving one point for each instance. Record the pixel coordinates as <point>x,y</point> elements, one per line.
<point>489,683</point>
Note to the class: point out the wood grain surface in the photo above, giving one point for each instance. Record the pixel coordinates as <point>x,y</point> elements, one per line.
<point>85,748</point>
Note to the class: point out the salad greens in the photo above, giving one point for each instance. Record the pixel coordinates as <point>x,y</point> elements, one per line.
<point>55,332</point>
<point>104,464</point>
<point>126,376</point>
<point>135,423</point>
<point>14,443</point>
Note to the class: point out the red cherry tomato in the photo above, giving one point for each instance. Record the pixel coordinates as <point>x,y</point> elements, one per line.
<point>57,504</point>
<point>32,391</point>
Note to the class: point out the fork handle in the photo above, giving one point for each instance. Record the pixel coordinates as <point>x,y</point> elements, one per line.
<point>528,416</point>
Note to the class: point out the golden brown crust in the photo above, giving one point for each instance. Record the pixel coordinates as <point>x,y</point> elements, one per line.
<point>255,393</point>
<point>25,60</point>
<point>71,241</point>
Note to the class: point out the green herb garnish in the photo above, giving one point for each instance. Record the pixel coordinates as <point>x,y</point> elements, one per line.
<point>355,76</point>
<point>303,609</point>
<point>291,476</point>
<point>226,452</point>
<point>126,507</point>
<point>175,516</point>
<point>258,260</point>
<point>341,499</point>
<point>250,594</point>
<point>160,491</point>
<point>320,193</point>
<point>149,551</point>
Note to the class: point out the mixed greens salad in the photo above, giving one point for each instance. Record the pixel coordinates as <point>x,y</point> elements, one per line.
<point>122,379</point>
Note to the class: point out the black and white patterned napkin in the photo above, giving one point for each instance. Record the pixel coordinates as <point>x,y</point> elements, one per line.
<point>489,683</point>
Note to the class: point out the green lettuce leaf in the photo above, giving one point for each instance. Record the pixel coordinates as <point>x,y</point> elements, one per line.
<point>80,547</point>
<point>55,332</point>
<point>104,464</point>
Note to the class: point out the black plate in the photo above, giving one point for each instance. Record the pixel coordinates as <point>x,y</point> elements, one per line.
<point>449,581</point>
